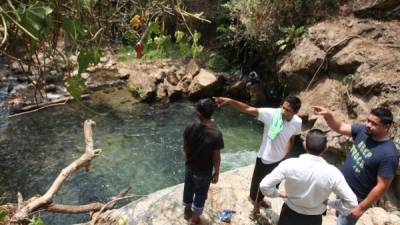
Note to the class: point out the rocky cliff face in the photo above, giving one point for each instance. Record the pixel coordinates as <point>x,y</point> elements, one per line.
<point>349,65</point>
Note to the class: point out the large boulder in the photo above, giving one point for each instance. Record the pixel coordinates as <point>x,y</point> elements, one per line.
<point>204,84</point>
<point>377,8</point>
<point>298,66</point>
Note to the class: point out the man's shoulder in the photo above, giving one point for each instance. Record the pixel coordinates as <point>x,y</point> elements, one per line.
<point>291,162</point>
<point>297,119</point>
<point>389,149</point>
<point>215,129</point>
<point>192,124</point>
<point>267,110</point>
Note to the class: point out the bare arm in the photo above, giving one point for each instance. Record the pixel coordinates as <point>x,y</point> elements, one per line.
<point>374,195</point>
<point>240,106</point>
<point>216,163</point>
<point>336,125</point>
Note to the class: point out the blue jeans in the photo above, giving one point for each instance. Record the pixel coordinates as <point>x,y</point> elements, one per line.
<point>342,219</point>
<point>195,191</point>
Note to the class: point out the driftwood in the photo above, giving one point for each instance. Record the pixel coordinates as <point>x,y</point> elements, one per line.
<point>43,105</point>
<point>44,202</point>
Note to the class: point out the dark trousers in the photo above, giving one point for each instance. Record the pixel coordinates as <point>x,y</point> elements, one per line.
<point>260,171</point>
<point>195,191</point>
<point>290,217</point>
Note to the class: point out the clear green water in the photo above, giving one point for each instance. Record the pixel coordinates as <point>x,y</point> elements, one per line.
<point>141,149</point>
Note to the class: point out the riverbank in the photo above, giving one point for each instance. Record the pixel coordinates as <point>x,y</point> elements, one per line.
<point>231,192</point>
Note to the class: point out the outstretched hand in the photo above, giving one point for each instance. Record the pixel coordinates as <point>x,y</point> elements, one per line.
<point>319,110</point>
<point>220,101</point>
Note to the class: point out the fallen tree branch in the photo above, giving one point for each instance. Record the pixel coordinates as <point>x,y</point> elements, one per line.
<point>110,205</point>
<point>83,161</point>
<point>40,106</point>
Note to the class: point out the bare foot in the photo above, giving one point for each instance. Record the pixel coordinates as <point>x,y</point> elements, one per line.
<point>187,213</point>
<point>265,203</point>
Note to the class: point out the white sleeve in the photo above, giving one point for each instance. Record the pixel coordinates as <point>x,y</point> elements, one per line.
<point>347,200</point>
<point>298,126</point>
<point>268,184</point>
<point>265,114</point>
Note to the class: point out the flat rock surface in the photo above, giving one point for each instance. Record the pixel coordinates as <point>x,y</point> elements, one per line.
<point>231,192</point>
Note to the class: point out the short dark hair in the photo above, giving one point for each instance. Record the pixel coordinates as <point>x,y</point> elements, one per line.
<point>205,107</point>
<point>316,141</point>
<point>384,114</point>
<point>294,102</point>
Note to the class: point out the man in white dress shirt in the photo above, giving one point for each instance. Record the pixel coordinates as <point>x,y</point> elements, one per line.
<point>309,180</point>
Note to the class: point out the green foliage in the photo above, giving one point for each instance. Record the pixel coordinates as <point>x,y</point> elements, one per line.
<point>36,221</point>
<point>134,90</point>
<point>122,222</point>
<point>290,35</point>
<point>3,215</point>
<point>179,35</point>
<point>43,22</point>
<point>86,57</point>
<point>125,53</point>
<point>197,49</point>
<point>348,79</point>
<point>36,18</point>
<point>74,30</point>
<point>85,5</point>
<point>258,24</point>
<point>159,45</point>
<point>217,63</point>
<point>75,85</point>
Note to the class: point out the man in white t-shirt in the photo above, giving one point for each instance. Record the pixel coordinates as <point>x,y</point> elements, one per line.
<point>283,123</point>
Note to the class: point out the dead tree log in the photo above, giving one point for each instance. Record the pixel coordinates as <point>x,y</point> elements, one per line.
<point>46,199</point>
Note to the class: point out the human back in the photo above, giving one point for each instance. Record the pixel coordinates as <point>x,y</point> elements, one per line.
<point>202,141</point>
<point>309,183</point>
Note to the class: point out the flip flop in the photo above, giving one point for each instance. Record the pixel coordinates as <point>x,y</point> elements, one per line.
<point>226,215</point>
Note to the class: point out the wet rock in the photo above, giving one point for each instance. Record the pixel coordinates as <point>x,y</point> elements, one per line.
<point>172,78</point>
<point>162,91</point>
<point>145,83</point>
<point>237,89</point>
<point>50,88</point>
